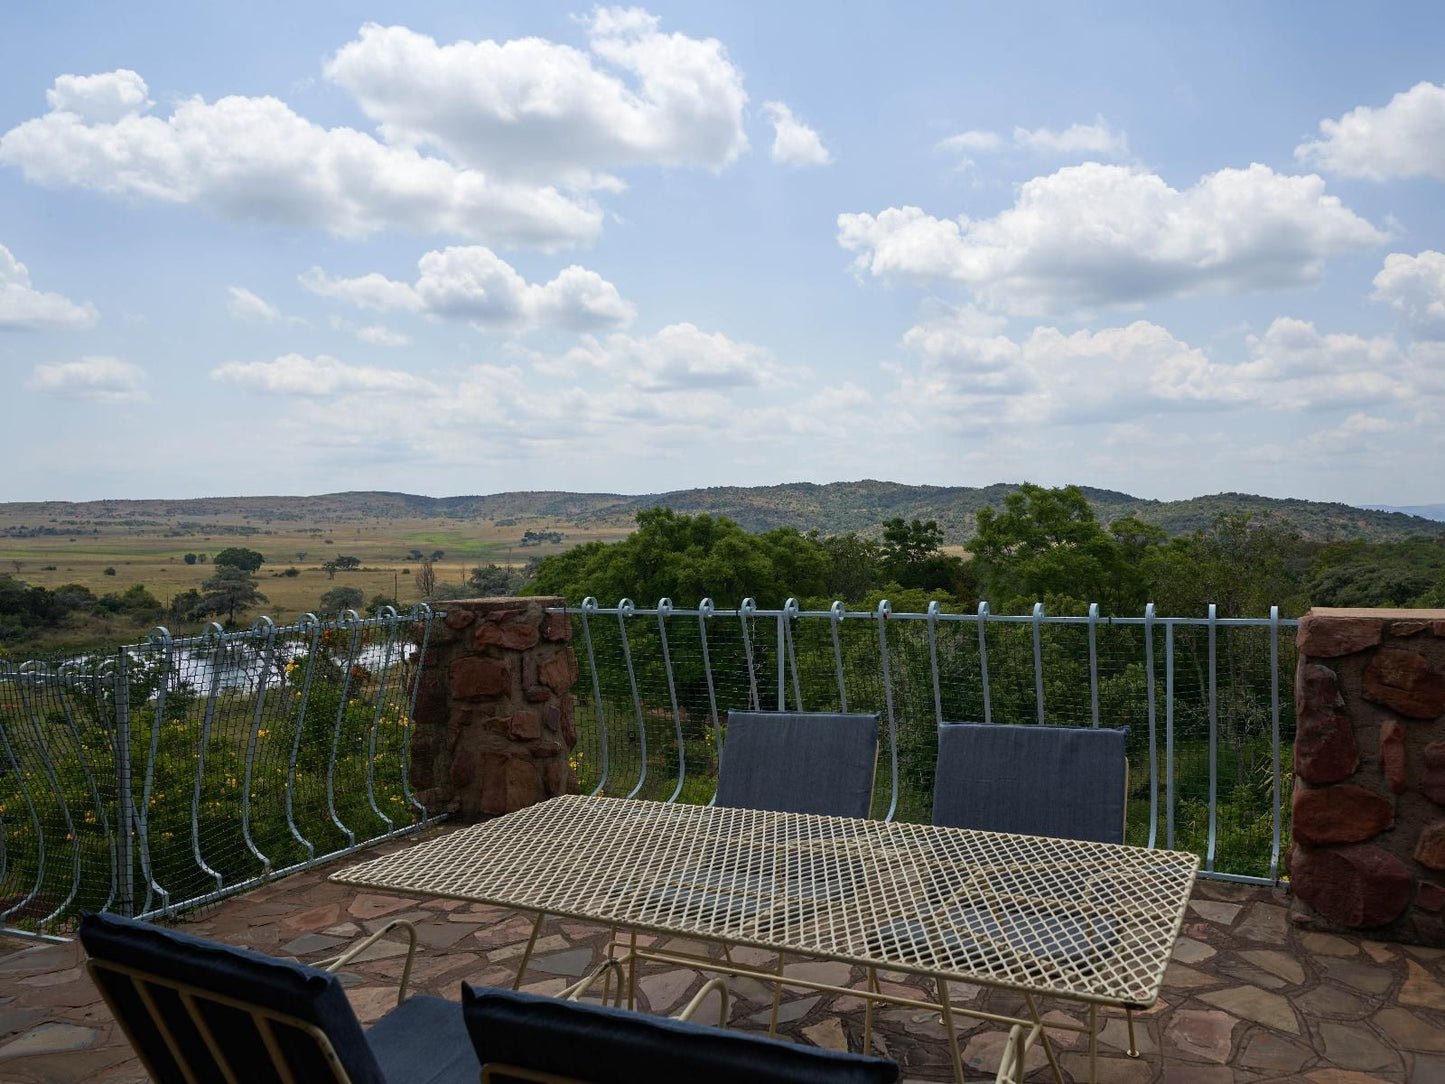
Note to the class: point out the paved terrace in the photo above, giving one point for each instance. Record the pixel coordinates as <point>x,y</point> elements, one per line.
<point>1248,997</point>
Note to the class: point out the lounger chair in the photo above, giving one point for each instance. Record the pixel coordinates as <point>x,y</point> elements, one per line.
<point>197,1010</point>
<point>524,1037</point>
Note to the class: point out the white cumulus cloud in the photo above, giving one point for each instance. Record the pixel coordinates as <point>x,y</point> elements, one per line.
<point>794,143</point>
<point>105,98</point>
<point>1414,286</point>
<point>23,306</point>
<point>474,284</point>
<point>679,357</point>
<point>1097,139</point>
<point>1097,234</point>
<point>545,111</point>
<point>294,374</point>
<point>249,307</point>
<point>254,159</point>
<point>105,379</point>
<point>381,335</point>
<point>1404,138</point>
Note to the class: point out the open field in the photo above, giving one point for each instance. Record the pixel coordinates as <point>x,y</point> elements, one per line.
<point>152,554</point>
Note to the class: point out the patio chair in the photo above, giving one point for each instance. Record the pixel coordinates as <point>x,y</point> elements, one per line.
<point>799,762</point>
<point>526,1037</point>
<point>1056,781</point>
<point>198,1010</point>
<point>1067,782</point>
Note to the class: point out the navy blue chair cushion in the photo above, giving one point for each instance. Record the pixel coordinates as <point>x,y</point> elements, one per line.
<point>424,1041</point>
<point>611,1046</point>
<point>1059,781</point>
<point>799,762</point>
<point>282,986</point>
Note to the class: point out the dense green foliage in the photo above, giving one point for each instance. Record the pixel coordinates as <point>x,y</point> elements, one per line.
<point>25,610</point>
<point>1042,545</point>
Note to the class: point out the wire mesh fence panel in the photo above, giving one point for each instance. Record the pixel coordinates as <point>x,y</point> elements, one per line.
<point>176,771</point>
<point>1202,702</point>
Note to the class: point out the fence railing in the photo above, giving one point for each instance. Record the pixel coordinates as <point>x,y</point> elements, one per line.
<point>1208,703</point>
<point>167,774</point>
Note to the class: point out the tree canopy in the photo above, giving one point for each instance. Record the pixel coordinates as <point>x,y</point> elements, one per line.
<point>239,557</point>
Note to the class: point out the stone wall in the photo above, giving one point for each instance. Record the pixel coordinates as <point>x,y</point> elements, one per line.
<point>1369,759</point>
<point>493,727</point>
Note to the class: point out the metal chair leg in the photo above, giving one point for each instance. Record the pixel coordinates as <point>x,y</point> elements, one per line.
<point>1133,1050</point>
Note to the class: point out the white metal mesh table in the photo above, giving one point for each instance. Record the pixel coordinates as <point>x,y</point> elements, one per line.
<point>1089,922</point>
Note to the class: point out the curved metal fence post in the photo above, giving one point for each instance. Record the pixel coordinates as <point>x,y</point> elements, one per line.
<point>160,637</point>
<point>386,618</point>
<point>24,677</point>
<point>704,613</point>
<point>1153,752</point>
<point>1275,810</point>
<point>746,609</point>
<point>933,611</point>
<point>884,610</point>
<point>1169,735</point>
<point>208,719</point>
<point>1213,739</point>
<point>789,615</point>
<point>1094,663</point>
<point>351,619</point>
<point>664,608</point>
<point>589,605</point>
<point>836,613</point>
<point>983,660</point>
<point>420,612</point>
<point>625,609</point>
<point>34,820</point>
<point>311,621</point>
<point>1038,663</point>
<point>84,760</point>
<point>264,627</point>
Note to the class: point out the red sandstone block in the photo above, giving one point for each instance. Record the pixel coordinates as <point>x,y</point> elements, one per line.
<point>1330,637</point>
<point>524,726</point>
<point>1325,750</point>
<point>459,619</point>
<point>1406,682</point>
<point>1433,785</point>
<point>1344,814</point>
<point>471,677</point>
<point>538,694</point>
<point>511,637</point>
<point>1430,897</point>
<point>558,671</point>
<point>557,627</point>
<point>1392,754</point>
<point>1408,628</point>
<point>1430,850</point>
<point>1357,886</point>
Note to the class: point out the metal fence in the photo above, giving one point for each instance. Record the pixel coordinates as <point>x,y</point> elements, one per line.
<point>168,774</point>
<point>1208,703</point>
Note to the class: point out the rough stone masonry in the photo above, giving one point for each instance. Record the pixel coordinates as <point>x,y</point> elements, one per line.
<point>493,727</point>
<point>1369,758</point>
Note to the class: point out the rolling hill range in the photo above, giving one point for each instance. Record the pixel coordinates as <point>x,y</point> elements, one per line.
<point>834,508</point>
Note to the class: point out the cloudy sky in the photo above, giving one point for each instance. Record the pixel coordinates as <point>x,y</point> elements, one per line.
<point>466,248</point>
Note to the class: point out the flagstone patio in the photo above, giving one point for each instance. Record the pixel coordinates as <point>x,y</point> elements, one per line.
<point>1248,998</point>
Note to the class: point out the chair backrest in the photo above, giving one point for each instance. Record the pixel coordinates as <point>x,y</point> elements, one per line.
<point>190,1006</point>
<point>1060,781</point>
<point>799,762</point>
<point>527,1037</point>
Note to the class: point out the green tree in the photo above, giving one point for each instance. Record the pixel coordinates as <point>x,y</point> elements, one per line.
<point>229,589</point>
<point>912,557</point>
<point>342,598</point>
<point>189,558</point>
<point>494,580</point>
<point>1240,563</point>
<point>1045,544</point>
<point>239,557</point>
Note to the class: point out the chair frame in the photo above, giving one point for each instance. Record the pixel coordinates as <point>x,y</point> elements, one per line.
<point>265,1019</point>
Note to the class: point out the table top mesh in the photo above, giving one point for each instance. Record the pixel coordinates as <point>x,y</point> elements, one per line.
<point>1093,921</point>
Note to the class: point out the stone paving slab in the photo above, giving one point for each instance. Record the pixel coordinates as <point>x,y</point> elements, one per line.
<point>1249,998</point>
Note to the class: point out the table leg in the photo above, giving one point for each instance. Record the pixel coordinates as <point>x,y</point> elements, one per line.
<point>1133,1050</point>
<point>632,971</point>
<point>946,1010</point>
<point>868,1011</point>
<point>777,999</point>
<point>1093,1044</point>
<point>1044,1038</point>
<point>527,953</point>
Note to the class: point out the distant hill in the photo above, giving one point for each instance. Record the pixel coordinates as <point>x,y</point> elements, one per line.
<point>1429,511</point>
<point>834,508</point>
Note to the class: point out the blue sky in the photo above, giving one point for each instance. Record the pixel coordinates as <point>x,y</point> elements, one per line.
<point>449,248</point>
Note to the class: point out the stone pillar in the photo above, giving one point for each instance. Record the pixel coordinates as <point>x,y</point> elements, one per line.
<point>493,726</point>
<point>1369,760</point>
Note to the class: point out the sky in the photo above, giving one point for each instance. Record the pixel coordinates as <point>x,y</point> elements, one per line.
<point>452,248</point>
